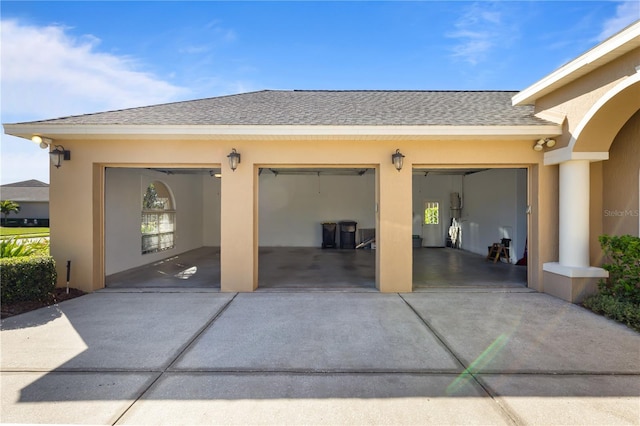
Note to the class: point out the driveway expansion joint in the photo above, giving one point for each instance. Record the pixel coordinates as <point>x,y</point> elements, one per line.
<point>505,411</point>
<point>304,371</point>
<point>180,352</point>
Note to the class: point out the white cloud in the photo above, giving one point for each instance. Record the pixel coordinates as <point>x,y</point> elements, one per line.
<point>47,73</point>
<point>478,31</point>
<point>627,12</point>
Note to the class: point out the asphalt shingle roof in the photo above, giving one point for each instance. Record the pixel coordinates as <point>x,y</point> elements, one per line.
<point>25,191</point>
<point>331,108</point>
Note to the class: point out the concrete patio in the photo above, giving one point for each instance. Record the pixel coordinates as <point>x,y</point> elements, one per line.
<point>198,356</point>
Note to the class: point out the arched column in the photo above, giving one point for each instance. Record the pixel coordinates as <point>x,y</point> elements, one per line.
<point>574,214</point>
<point>572,278</point>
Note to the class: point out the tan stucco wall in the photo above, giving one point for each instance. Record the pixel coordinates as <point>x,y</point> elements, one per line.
<point>543,222</point>
<point>77,196</point>
<point>620,182</point>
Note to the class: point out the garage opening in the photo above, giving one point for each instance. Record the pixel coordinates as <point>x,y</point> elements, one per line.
<point>162,228</point>
<point>469,227</point>
<point>302,210</point>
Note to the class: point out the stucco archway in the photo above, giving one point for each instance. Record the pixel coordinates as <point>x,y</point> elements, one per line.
<point>602,122</point>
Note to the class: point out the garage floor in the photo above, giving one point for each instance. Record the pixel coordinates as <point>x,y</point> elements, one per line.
<point>317,269</point>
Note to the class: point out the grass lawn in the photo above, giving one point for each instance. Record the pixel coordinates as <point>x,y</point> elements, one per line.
<point>28,232</point>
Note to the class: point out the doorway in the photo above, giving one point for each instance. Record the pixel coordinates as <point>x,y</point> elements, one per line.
<point>432,229</point>
<point>294,203</point>
<point>483,206</point>
<point>162,227</point>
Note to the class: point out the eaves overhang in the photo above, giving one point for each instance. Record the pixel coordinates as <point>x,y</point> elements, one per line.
<point>605,52</point>
<point>186,132</point>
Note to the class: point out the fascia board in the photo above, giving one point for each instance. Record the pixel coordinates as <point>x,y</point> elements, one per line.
<point>187,131</point>
<point>597,56</point>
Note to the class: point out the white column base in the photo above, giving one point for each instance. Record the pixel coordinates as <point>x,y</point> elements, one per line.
<point>571,283</point>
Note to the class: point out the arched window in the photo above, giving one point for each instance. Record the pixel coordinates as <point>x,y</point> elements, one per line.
<point>158,219</point>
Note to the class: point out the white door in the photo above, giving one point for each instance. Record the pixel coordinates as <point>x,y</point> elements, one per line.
<point>432,234</point>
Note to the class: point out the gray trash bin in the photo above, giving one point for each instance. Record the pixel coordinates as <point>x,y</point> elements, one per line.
<point>348,234</point>
<point>329,235</point>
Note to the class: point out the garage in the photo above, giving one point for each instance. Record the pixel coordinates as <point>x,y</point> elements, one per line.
<point>310,222</point>
<point>162,227</point>
<point>294,203</point>
<point>458,216</point>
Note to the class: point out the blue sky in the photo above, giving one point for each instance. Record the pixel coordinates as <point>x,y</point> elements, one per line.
<point>64,58</point>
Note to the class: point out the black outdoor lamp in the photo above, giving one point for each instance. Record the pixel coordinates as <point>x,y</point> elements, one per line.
<point>234,159</point>
<point>396,159</point>
<point>58,154</point>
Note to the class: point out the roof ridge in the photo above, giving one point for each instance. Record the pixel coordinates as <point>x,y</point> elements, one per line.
<point>31,183</point>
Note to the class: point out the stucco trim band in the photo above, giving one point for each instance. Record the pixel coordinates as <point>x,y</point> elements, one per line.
<point>566,154</point>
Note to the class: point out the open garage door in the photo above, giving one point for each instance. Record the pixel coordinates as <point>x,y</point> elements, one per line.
<point>460,217</point>
<point>162,228</point>
<point>294,203</point>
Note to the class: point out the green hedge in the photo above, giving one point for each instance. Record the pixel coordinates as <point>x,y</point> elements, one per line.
<point>620,310</point>
<point>622,255</point>
<point>27,278</point>
<point>618,297</point>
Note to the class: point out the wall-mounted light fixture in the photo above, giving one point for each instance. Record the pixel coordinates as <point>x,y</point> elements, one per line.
<point>58,154</point>
<point>234,159</point>
<point>397,159</point>
<point>550,143</point>
<point>42,142</point>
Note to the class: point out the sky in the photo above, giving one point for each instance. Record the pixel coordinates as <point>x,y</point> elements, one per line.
<point>68,58</point>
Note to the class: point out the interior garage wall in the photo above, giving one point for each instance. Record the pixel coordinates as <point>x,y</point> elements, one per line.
<point>293,207</point>
<point>434,187</point>
<point>494,207</point>
<point>210,211</point>
<point>621,180</point>
<point>123,207</point>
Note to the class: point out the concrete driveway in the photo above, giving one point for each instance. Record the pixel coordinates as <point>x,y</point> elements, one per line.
<point>502,356</point>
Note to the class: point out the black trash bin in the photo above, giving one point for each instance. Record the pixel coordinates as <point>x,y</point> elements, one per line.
<point>329,235</point>
<point>348,234</point>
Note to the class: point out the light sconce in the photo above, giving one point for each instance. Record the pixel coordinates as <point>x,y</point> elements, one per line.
<point>542,142</point>
<point>397,159</point>
<point>234,159</point>
<point>42,142</point>
<point>58,154</point>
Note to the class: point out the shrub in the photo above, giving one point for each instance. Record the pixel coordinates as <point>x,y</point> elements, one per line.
<point>623,254</point>
<point>26,278</point>
<point>16,248</point>
<point>619,295</point>
<point>619,310</point>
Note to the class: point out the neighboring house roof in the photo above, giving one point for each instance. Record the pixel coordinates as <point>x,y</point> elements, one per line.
<point>615,46</point>
<point>325,108</point>
<point>26,191</point>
